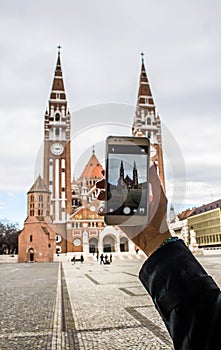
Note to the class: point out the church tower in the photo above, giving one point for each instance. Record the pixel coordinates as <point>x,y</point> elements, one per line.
<point>135,175</point>
<point>147,121</point>
<point>121,171</point>
<point>36,242</point>
<point>57,153</point>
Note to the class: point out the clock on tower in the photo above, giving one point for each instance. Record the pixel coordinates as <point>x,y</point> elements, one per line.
<point>57,155</point>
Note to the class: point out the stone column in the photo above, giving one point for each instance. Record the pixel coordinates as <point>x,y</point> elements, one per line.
<point>85,242</point>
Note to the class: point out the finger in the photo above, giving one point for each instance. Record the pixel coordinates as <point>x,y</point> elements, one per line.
<point>158,203</point>
<point>154,178</point>
<point>155,182</point>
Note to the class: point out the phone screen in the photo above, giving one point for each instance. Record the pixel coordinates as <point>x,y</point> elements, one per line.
<point>127,180</point>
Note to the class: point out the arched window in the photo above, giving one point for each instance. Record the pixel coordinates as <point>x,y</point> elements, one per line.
<point>40,198</point>
<point>148,121</point>
<point>57,117</point>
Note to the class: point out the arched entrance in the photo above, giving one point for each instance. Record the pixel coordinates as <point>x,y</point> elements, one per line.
<point>93,245</point>
<point>31,255</point>
<point>109,242</point>
<point>124,246</point>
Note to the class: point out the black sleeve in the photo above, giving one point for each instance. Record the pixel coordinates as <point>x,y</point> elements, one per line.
<point>187,298</point>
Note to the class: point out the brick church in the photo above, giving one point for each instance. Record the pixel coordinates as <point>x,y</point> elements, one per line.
<point>61,211</point>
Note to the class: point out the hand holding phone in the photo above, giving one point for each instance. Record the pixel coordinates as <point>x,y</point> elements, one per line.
<point>149,236</point>
<point>127,185</point>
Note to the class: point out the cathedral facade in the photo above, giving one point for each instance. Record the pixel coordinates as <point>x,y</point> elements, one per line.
<point>68,219</point>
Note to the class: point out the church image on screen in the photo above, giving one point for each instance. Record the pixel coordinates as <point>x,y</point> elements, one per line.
<point>128,195</point>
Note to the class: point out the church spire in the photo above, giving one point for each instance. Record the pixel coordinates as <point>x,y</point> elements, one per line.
<point>58,97</point>
<point>121,170</point>
<point>144,98</point>
<point>135,175</point>
<point>147,121</point>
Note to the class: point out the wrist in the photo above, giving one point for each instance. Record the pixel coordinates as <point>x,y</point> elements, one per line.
<point>150,243</point>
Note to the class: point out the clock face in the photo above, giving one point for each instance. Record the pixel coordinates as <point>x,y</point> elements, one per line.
<point>77,242</point>
<point>153,151</point>
<point>58,238</point>
<point>57,149</point>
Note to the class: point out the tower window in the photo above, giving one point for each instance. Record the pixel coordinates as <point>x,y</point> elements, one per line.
<point>57,132</point>
<point>57,96</point>
<point>30,238</point>
<point>32,198</point>
<point>40,198</point>
<point>57,117</point>
<point>148,121</point>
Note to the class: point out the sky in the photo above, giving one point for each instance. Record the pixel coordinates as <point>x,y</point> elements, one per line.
<point>101,44</point>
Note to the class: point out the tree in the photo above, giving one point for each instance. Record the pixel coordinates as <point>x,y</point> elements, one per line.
<point>8,238</point>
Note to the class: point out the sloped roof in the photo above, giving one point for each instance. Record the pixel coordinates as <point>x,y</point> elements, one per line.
<point>93,169</point>
<point>207,207</point>
<point>84,213</point>
<point>39,186</point>
<point>185,214</point>
<point>199,210</point>
<point>144,87</point>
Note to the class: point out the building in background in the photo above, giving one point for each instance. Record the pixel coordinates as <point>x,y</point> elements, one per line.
<point>70,214</point>
<point>147,122</point>
<point>36,242</point>
<point>57,155</point>
<point>204,223</point>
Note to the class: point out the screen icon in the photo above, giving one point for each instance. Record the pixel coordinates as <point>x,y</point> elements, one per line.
<point>126,210</point>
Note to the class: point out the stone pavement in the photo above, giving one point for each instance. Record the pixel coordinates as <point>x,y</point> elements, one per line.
<point>28,297</point>
<point>111,309</point>
<point>62,306</point>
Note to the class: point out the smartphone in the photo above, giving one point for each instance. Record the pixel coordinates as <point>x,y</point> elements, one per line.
<point>127,185</point>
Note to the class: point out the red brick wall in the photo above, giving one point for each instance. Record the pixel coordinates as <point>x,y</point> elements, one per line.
<point>43,244</point>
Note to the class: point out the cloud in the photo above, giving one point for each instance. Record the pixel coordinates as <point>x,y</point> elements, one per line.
<point>101,43</point>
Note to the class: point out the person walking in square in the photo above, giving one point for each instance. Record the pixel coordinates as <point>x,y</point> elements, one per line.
<point>101,259</point>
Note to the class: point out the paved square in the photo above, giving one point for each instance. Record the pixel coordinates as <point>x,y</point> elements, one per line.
<point>78,306</point>
<point>112,309</point>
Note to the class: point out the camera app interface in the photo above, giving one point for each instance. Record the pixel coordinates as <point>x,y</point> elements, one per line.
<point>127,183</point>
